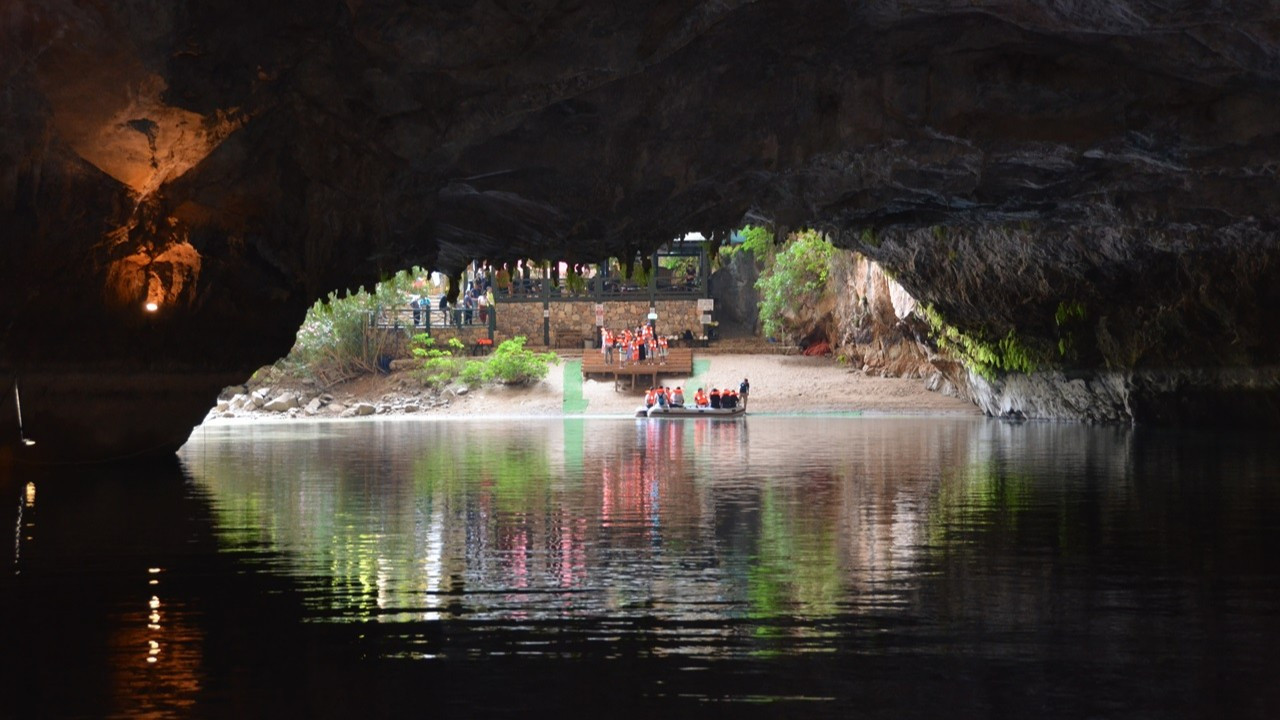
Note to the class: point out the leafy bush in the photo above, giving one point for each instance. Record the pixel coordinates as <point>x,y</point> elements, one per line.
<point>472,373</point>
<point>439,366</point>
<point>333,341</point>
<point>512,364</point>
<point>757,240</point>
<point>797,278</point>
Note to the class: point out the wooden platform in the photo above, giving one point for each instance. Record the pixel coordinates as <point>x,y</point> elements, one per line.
<point>679,363</point>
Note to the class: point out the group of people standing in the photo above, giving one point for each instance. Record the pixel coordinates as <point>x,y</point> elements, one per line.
<point>717,399</point>
<point>633,345</point>
<point>473,306</point>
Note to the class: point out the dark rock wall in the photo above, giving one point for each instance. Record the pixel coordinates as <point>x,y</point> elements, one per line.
<point>1168,318</point>
<point>733,286</point>
<point>234,161</point>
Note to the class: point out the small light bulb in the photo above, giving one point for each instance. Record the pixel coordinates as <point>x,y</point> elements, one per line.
<point>152,306</point>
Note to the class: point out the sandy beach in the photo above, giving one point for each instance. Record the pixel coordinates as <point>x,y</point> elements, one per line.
<point>779,384</point>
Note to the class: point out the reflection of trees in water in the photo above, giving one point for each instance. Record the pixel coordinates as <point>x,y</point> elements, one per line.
<point>808,519</point>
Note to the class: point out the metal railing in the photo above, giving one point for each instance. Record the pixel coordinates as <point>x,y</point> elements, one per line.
<point>413,320</point>
<point>538,289</point>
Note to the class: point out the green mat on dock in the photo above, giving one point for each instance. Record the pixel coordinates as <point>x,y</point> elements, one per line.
<point>574,402</point>
<point>699,377</point>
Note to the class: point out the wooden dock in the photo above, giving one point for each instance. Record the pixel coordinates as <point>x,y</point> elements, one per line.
<point>679,363</point>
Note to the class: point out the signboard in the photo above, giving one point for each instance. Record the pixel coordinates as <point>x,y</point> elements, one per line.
<point>706,318</point>
<point>599,314</point>
<point>546,313</point>
<point>706,305</point>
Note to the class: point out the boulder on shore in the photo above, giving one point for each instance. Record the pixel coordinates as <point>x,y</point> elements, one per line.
<point>281,403</point>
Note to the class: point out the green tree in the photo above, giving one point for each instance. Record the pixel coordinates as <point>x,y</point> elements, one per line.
<point>333,340</point>
<point>757,240</point>
<point>797,278</point>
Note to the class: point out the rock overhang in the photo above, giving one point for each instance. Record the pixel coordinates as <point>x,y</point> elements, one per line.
<point>1000,158</point>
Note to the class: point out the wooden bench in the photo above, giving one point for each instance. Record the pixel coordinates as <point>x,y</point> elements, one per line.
<point>569,337</point>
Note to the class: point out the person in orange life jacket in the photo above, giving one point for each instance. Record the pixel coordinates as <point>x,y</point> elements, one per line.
<point>700,398</point>
<point>714,397</point>
<point>677,397</point>
<point>728,400</point>
<point>650,397</point>
<point>662,399</point>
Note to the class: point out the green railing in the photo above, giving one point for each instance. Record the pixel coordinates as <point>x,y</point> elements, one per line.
<point>464,322</point>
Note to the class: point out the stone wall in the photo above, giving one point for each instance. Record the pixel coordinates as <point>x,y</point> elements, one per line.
<point>521,318</point>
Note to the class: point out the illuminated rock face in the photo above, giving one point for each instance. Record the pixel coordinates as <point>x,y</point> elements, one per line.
<point>232,162</point>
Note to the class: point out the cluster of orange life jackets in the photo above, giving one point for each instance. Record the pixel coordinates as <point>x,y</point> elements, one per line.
<point>630,343</point>
<point>664,396</point>
<point>717,399</point>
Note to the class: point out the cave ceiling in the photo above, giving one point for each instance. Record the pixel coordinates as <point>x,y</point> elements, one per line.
<point>235,161</point>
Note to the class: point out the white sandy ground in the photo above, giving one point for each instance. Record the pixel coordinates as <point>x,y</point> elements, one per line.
<point>779,384</point>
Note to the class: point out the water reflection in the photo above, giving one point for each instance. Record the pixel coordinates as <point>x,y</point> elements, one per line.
<point>756,536</point>
<point>90,628</point>
<point>901,567</point>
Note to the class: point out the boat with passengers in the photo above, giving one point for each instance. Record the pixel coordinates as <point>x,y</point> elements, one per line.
<point>662,411</point>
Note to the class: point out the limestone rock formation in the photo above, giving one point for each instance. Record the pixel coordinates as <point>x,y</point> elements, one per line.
<point>228,163</point>
<point>878,326</point>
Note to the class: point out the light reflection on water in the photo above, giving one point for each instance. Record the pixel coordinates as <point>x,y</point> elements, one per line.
<point>900,566</point>
<point>674,522</point>
<point>716,539</point>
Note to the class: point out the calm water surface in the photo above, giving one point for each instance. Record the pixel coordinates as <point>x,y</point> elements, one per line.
<point>772,567</point>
